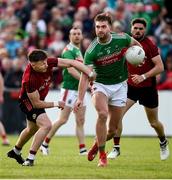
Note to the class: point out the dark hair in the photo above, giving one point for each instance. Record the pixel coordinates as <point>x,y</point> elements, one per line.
<point>139,20</point>
<point>74,28</point>
<point>104,17</point>
<point>37,55</point>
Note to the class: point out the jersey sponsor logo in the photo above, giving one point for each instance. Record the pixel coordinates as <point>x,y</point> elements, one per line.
<point>110,59</point>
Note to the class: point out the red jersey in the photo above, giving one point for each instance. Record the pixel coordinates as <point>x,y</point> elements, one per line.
<point>32,80</point>
<point>151,50</point>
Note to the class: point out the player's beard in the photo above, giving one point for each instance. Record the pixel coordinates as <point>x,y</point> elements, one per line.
<point>103,37</point>
<point>138,38</point>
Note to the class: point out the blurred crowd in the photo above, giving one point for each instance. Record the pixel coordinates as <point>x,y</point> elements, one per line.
<point>29,24</point>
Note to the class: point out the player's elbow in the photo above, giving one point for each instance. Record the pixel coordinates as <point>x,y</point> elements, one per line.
<point>161,68</point>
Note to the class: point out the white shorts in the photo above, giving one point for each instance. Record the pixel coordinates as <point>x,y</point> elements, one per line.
<point>116,94</point>
<point>70,97</point>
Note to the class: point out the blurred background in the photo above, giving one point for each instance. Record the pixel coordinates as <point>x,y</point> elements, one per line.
<point>29,24</point>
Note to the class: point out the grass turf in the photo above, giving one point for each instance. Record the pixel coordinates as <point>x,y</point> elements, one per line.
<point>139,159</point>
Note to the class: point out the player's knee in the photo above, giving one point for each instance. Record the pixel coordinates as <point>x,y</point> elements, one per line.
<point>30,130</point>
<point>80,121</point>
<point>48,126</point>
<point>154,124</point>
<point>102,115</point>
<point>63,121</point>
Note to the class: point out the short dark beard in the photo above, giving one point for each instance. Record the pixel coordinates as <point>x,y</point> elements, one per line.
<point>140,38</point>
<point>104,39</point>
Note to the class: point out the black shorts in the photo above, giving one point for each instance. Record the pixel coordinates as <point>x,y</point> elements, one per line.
<point>147,96</point>
<point>32,113</point>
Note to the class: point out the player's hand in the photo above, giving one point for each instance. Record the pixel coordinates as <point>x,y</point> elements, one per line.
<point>93,76</point>
<point>61,105</point>
<point>78,104</point>
<point>137,78</point>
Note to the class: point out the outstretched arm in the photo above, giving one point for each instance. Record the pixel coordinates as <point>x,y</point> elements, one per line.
<point>73,72</point>
<point>83,84</point>
<point>38,103</point>
<point>78,65</point>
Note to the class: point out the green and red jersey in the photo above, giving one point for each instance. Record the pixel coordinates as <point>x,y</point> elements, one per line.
<point>70,52</point>
<point>108,59</point>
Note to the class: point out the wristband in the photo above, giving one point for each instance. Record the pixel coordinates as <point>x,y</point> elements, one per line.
<point>143,76</point>
<point>55,104</point>
<point>91,74</point>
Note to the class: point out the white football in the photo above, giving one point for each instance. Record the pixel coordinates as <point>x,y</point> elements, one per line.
<point>135,55</point>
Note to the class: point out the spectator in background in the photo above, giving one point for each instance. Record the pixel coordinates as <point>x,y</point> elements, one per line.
<point>117,27</point>
<point>164,46</point>
<point>12,83</point>
<point>56,18</point>
<point>57,45</point>
<point>36,21</point>
<point>122,14</point>
<point>139,12</point>
<point>85,43</point>
<point>66,19</point>
<point>5,141</point>
<point>5,61</point>
<point>41,7</point>
<point>83,3</point>
<point>165,79</point>
<point>165,27</point>
<point>13,77</point>
<point>22,11</point>
<point>3,135</point>
<point>55,48</point>
<point>12,45</point>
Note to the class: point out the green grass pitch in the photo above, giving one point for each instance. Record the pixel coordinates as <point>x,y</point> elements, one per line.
<point>139,159</point>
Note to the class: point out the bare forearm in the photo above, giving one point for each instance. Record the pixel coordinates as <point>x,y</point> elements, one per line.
<point>81,67</point>
<point>74,73</point>
<point>42,104</point>
<point>76,64</point>
<point>157,69</point>
<point>83,84</point>
<point>153,72</point>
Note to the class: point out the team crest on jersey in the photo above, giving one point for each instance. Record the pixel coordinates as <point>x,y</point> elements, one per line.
<point>108,50</point>
<point>116,48</point>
